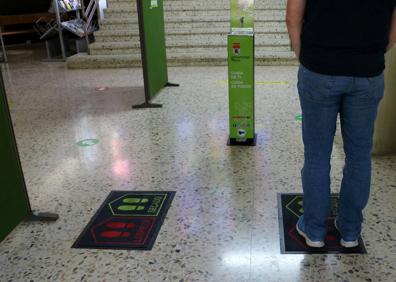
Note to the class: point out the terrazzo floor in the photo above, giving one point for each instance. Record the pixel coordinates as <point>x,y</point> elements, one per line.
<point>223,223</point>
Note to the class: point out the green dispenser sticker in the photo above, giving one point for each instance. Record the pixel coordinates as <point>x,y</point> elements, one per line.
<point>241,86</point>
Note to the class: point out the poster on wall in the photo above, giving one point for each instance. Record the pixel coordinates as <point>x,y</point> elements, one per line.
<point>242,16</point>
<point>153,4</point>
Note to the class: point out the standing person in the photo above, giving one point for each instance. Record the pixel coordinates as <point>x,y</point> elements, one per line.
<point>340,45</point>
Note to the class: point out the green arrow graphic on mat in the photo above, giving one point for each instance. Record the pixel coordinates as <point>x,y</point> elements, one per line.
<point>299,117</point>
<point>295,206</point>
<point>87,142</point>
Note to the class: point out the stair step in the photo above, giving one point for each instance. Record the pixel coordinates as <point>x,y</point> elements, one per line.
<point>198,5</point>
<point>208,2</point>
<point>257,2</point>
<point>114,48</point>
<point>118,48</point>
<point>84,60</point>
<point>216,5</point>
<point>202,4</point>
<point>191,22</point>
<point>197,16</point>
<point>109,2</point>
<point>210,30</point>
<point>201,27</point>
<point>266,39</point>
<point>196,35</point>
<point>182,31</point>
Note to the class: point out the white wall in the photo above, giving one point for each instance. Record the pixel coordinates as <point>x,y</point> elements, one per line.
<point>385,131</point>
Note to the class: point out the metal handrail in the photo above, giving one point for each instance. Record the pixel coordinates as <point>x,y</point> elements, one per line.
<point>88,14</point>
<point>89,6</point>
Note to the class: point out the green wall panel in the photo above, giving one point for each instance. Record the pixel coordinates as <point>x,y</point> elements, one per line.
<point>14,204</point>
<point>154,48</point>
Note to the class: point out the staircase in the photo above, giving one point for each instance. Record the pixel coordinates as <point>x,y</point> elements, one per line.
<point>196,34</point>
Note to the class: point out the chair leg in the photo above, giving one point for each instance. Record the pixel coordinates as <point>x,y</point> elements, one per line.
<point>3,46</point>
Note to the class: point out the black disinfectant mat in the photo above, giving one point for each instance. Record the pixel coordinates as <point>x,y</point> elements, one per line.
<point>290,208</point>
<point>126,221</point>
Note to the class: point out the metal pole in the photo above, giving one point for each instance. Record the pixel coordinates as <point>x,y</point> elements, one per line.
<point>59,28</point>
<point>85,17</point>
<point>2,45</point>
<point>98,10</point>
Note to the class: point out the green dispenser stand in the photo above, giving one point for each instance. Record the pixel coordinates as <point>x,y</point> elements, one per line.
<point>14,201</point>
<point>241,74</point>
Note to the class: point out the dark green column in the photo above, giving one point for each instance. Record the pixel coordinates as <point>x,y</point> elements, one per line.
<point>14,203</point>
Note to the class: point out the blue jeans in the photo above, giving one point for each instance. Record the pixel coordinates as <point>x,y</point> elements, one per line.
<point>322,98</point>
